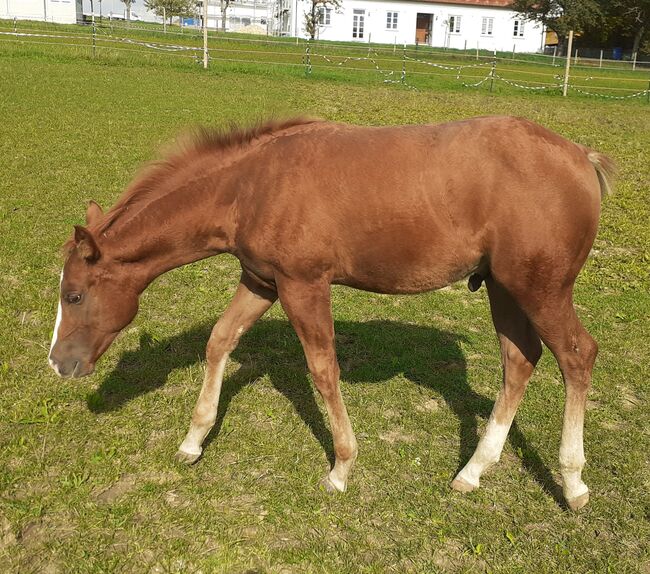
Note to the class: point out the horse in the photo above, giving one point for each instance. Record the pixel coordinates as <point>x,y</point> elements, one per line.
<point>305,203</point>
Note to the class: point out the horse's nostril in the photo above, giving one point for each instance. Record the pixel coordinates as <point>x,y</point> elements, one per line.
<point>55,367</point>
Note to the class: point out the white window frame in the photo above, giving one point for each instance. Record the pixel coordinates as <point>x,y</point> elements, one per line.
<point>518,29</point>
<point>455,21</point>
<point>358,32</point>
<point>324,16</point>
<point>392,20</point>
<point>487,26</point>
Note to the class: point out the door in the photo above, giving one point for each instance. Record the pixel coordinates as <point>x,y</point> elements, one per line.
<point>423,25</point>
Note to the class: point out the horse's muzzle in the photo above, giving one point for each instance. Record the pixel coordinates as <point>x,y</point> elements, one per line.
<point>71,368</point>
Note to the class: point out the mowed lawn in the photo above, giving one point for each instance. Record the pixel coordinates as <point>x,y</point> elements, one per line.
<point>88,482</point>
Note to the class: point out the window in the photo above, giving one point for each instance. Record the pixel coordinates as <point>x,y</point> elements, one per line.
<point>518,31</point>
<point>487,26</point>
<point>454,24</point>
<point>324,16</point>
<point>391,20</point>
<point>358,23</point>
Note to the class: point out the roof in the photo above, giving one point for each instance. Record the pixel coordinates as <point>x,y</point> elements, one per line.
<point>484,3</point>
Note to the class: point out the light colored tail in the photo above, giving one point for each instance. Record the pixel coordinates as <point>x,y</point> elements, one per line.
<point>605,169</point>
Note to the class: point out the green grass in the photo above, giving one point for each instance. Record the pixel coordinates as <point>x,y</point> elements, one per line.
<point>425,67</point>
<point>87,477</point>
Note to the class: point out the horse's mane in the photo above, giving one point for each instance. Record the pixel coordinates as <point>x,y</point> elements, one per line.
<point>187,147</point>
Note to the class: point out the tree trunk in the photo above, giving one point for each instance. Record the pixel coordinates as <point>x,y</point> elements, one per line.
<point>314,21</point>
<point>637,39</point>
<point>562,45</point>
<point>224,8</point>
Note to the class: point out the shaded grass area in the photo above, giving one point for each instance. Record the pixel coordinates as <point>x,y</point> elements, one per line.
<point>87,478</point>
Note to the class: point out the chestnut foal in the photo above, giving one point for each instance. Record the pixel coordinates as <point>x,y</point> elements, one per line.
<point>304,204</point>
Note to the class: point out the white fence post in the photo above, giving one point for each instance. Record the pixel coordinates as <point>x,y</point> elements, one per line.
<point>600,64</point>
<point>205,34</point>
<point>565,87</point>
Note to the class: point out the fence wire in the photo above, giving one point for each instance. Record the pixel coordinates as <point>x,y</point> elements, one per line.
<point>394,64</point>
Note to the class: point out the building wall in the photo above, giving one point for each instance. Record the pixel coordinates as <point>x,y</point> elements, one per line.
<point>469,36</point>
<point>61,11</point>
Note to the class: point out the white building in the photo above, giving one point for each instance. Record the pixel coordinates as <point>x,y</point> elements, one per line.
<point>60,11</point>
<point>242,14</point>
<point>460,24</point>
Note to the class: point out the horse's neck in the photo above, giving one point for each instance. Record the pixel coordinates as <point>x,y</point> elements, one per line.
<point>174,230</point>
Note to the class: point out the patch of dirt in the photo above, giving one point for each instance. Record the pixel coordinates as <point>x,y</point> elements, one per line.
<point>33,534</point>
<point>536,527</point>
<point>611,425</point>
<point>117,490</point>
<point>629,400</point>
<point>128,482</point>
<point>176,500</point>
<point>159,477</point>
<point>395,436</point>
<point>454,557</point>
<point>7,537</point>
<point>156,437</point>
<point>390,414</point>
<point>428,406</point>
<point>51,568</point>
<point>250,532</point>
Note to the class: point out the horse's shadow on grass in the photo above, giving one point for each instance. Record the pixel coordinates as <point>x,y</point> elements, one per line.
<point>370,352</point>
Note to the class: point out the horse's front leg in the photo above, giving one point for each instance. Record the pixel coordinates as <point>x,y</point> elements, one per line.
<point>309,309</point>
<point>249,304</point>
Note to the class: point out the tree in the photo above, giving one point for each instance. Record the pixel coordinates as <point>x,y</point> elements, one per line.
<point>128,4</point>
<point>561,16</point>
<point>225,4</point>
<point>172,8</point>
<point>633,19</point>
<point>317,13</point>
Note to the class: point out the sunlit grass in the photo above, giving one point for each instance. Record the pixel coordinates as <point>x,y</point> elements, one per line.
<point>87,477</point>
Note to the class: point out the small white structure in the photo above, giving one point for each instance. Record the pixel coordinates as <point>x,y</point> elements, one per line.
<point>60,11</point>
<point>459,24</point>
<point>242,15</point>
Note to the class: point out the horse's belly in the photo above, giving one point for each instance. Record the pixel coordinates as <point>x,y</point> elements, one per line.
<point>410,270</point>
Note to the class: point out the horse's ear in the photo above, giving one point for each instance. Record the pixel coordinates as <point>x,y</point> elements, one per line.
<point>85,244</point>
<point>93,212</point>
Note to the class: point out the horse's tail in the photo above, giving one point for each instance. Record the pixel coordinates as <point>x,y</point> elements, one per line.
<point>605,170</point>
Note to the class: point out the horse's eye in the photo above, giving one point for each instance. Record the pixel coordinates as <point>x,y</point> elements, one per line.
<point>73,298</point>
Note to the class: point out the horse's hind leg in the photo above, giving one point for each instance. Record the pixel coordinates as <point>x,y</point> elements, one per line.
<point>249,304</point>
<point>520,351</point>
<point>575,351</point>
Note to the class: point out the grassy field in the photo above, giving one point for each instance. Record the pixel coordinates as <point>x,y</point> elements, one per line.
<point>420,67</point>
<point>87,477</point>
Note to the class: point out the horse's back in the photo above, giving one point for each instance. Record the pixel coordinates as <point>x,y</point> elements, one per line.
<point>411,208</point>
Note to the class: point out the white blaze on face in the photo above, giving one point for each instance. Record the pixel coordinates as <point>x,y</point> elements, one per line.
<point>56,326</point>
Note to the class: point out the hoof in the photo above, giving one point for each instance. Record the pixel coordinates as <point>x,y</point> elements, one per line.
<point>461,485</point>
<point>578,502</point>
<point>328,486</point>
<point>187,457</point>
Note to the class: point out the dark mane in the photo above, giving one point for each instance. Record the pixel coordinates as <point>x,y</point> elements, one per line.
<point>186,148</point>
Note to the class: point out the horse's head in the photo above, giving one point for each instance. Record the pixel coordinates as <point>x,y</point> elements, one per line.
<point>96,302</point>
